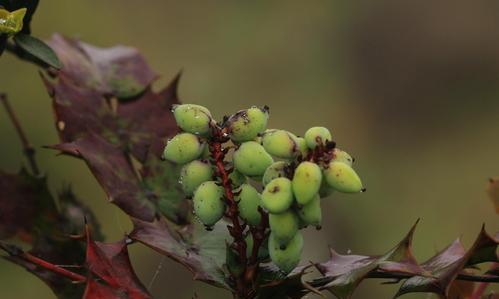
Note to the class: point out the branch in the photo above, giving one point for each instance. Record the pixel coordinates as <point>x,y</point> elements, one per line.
<point>480,290</point>
<point>28,149</point>
<point>16,252</point>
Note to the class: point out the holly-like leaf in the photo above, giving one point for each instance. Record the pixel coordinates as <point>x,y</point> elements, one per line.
<point>203,253</point>
<point>348,271</point>
<point>118,71</point>
<point>114,172</point>
<point>28,213</point>
<point>493,192</point>
<point>449,263</point>
<point>110,262</point>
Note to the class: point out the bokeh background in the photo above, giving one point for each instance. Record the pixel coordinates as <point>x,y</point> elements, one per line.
<point>410,88</point>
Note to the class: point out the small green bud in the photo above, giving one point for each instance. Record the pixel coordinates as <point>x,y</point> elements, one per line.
<point>277,196</point>
<point>276,170</point>
<point>183,148</point>
<point>311,213</point>
<point>288,258</point>
<point>208,201</point>
<point>248,203</point>
<point>284,227</point>
<point>280,143</point>
<point>192,118</point>
<point>245,125</point>
<point>193,174</point>
<point>302,146</point>
<point>317,135</point>
<point>343,178</point>
<point>11,23</point>
<point>306,182</point>
<point>251,159</point>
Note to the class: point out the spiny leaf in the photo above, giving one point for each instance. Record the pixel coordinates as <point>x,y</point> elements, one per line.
<point>449,263</point>
<point>114,172</point>
<point>118,71</point>
<point>28,212</point>
<point>37,49</point>
<point>348,271</point>
<point>203,253</point>
<point>110,262</point>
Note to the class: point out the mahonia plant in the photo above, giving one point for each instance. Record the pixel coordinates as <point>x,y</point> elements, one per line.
<point>268,189</point>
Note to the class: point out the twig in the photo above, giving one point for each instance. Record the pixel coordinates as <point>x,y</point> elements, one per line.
<point>480,290</point>
<point>28,149</point>
<point>18,253</point>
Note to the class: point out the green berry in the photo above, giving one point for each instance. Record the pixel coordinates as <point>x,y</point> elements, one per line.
<point>280,143</point>
<point>342,156</point>
<point>284,227</point>
<point>237,178</point>
<point>263,252</point>
<point>342,177</point>
<point>317,135</point>
<point>193,174</point>
<point>245,125</point>
<point>277,196</point>
<point>208,202</point>
<point>249,202</point>
<point>311,213</point>
<point>251,159</point>
<point>183,148</point>
<point>306,182</point>
<point>288,258</point>
<point>302,146</point>
<point>193,118</point>
<point>276,170</point>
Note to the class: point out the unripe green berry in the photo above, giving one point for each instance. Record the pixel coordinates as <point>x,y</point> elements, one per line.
<point>193,174</point>
<point>276,170</point>
<point>251,159</point>
<point>317,135</point>
<point>306,182</point>
<point>237,178</point>
<point>209,204</point>
<point>342,156</point>
<point>280,143</point>
<point>246,124</point>
<point>277,196</point>
<point>248,204</point>
<point>192,118</point>
<point>283,226</point>
<point>183,148</point>
<point>342,178</point>
<point>302,146</point>
<point>311,213</point>
<point>286,259</point>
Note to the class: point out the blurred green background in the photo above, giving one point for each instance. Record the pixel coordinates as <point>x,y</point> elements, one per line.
<point>410,88</point>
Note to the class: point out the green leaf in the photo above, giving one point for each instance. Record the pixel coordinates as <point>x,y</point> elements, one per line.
<point>38,49</point>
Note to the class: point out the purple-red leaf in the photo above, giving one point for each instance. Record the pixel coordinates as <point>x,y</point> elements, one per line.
<point>110,262</point>
<point>118,71</point>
